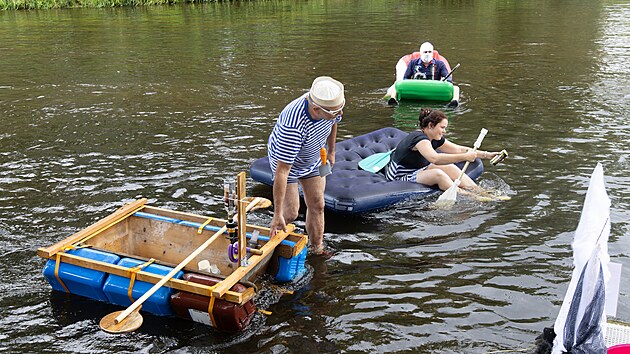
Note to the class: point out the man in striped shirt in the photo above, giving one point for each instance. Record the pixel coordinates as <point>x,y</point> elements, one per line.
<point>304,126</point>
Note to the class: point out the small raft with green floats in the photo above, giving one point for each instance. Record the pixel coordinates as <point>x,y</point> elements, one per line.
<point>424,90</point>
<point>171,263</point>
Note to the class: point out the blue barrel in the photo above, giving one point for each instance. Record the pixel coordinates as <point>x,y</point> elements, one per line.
<point>81,281</point>
<point>290,268</point>
<point>116,288</point>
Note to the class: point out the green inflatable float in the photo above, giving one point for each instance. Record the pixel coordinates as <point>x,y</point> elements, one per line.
<point>424,90</point>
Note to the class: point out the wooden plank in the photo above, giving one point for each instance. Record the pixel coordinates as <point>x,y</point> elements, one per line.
<point>121,213</point>
<point>178,284</point>
<point>171,243</point>
<point>240,272</point>
<point>115,239</point>
<point>300,243</point>
<point>184,216</point>
<point>260,268</point>
<point>299,239</point>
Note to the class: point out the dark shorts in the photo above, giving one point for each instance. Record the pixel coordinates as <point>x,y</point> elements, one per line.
<point>310,175</point>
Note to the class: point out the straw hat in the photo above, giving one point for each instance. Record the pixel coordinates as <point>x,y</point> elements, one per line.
<point>327,92</point>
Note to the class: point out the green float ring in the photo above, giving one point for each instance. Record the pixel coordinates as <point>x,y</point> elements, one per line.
<point>424,90</point>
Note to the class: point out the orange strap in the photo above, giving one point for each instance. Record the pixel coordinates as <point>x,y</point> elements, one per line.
<point>132,276</point>
<point>132,280</point>
<point>58,263</point>
<point>57,272</point>
<point>211,306</point>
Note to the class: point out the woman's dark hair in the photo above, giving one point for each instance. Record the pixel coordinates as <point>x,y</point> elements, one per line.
<point>427,116</point>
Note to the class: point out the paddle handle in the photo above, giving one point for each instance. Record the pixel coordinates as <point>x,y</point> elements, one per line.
<point>482,134</point>
<point>179,267</point>
<point>449,74</point>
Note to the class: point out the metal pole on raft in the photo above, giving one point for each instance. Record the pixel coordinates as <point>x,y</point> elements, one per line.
<point>242,220</point>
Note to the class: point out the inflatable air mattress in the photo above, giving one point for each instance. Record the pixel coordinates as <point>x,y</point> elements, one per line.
<point>350,190</point>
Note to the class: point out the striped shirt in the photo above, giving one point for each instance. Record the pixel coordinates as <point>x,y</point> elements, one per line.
<point>296,139</point>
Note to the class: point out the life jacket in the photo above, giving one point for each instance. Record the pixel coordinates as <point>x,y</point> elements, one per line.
<point>415,55</point>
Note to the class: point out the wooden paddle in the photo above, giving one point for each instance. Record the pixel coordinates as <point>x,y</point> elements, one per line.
<point>450,195</point>
<point>376,162</point>
<point>130,319</point>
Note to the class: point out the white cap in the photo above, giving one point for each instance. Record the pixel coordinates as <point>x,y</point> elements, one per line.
<point>425,47</point>
<point>327,92</point>
<point>426,52</point>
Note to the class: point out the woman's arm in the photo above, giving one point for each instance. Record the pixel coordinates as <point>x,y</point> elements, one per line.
<point>452,148</point>
<point>457,153</point>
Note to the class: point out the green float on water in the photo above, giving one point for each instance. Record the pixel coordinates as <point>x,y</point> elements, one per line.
<point>425,90</point>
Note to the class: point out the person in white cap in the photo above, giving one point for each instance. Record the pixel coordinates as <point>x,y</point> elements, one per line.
<point>304,127</point>
<point>403,62</point>
<point>426,67</point>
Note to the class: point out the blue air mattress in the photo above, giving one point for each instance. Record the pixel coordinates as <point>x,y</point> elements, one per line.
<point>350,190</point>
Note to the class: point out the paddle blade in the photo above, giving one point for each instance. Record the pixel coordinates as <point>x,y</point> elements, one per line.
<point>260,203</point>
<point>449,196</point>
<point>130,323</point>
<point>376,162</point>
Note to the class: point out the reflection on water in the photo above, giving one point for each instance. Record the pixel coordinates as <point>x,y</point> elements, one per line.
<point>109,105</point>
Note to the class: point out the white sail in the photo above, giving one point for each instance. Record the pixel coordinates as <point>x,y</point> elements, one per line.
<point>590,273</point>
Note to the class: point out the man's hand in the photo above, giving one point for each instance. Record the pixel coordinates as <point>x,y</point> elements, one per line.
<point>277,223</point>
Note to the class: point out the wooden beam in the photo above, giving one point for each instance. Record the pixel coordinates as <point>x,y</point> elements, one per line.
<point>184,216</point>
<point>240,272</point>
<point>108,221</point>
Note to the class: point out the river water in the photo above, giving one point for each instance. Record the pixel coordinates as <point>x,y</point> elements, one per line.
<point>102,106</point>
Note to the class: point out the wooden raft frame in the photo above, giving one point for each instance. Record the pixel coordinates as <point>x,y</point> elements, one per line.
<point>256,264</point>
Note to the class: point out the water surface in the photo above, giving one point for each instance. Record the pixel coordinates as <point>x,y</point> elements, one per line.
<point>102,106</point>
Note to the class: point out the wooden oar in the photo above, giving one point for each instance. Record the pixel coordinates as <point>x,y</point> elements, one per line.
<point>450,195</point>
<point>376,162</point>
<point>130,319</point>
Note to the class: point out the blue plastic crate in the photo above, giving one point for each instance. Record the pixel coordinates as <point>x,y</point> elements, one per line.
<point>116,288</point>
<point>289,268</point>
<point>81,281</point>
